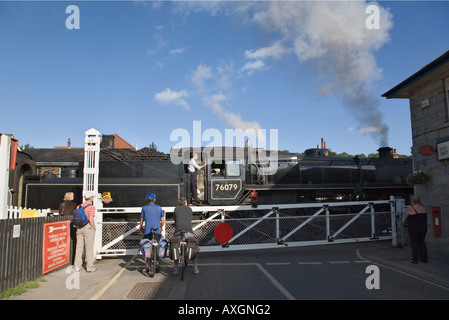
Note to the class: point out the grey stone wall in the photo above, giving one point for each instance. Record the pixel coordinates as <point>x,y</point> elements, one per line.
<point>430,125</point>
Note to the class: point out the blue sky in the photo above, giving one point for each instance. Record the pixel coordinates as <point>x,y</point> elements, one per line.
<point>143,69</point>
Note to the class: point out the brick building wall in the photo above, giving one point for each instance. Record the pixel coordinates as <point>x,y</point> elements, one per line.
<point>428,93</point>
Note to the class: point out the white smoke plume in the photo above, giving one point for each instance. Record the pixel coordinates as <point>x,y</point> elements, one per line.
<point>333,36</point>
<point>330,35</point>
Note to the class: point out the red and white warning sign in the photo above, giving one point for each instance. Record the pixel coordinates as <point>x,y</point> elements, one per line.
<point>56,245</point>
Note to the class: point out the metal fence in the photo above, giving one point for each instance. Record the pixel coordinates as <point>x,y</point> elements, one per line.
<point>21,242</point>
<point>270,227</point>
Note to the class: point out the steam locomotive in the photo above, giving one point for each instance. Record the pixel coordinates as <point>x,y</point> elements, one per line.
<point>231,177</point>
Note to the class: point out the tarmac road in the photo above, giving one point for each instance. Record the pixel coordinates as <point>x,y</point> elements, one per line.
<point>374,270</point>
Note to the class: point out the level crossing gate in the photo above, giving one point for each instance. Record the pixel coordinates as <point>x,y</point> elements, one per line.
<point>267,226</point>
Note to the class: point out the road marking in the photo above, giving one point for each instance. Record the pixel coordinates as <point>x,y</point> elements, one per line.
<point>275,282</point>
<point>310,262</point>
<point>278,263</point>
<point>109,284</point>
<point>265,272</point>
<point>339,262</point>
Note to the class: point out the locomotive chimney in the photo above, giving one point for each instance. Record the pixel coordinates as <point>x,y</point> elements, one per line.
<point>385,153</point>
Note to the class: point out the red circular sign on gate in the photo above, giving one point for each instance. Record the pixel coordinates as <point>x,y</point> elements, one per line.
<point>223,232</point>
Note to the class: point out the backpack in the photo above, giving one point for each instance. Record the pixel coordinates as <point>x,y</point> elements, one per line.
<point>145,248</point>
<point>163,246</point>
<point>174,248</point>
<point>192,248</point>
<point>80,217</point>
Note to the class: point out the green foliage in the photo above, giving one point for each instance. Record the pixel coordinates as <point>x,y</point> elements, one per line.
<point>22,288</point>
<point>417,177</point>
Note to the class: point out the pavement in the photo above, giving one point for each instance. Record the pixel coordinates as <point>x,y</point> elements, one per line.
<point>66,284</point>
<point>436,271</point>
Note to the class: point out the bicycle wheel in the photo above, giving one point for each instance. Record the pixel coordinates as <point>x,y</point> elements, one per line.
<point>147,265</point>
<point>153,263</point>
<point>183,261</point>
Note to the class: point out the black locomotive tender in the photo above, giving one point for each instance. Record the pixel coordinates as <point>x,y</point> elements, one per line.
<point>126,176</point>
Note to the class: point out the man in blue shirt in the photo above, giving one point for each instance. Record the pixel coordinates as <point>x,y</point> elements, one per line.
<point>153,216</point>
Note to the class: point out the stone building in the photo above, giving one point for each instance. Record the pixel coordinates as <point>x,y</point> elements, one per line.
<point>428,93</point>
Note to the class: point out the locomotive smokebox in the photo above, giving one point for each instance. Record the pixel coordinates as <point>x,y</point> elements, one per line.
<point>385,153</point>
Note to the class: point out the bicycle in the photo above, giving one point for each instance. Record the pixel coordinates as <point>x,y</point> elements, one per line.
<point>152,261</point>
<point>182,257</point>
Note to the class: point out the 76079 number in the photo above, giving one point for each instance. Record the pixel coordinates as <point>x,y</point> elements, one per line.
<point>226,187</point>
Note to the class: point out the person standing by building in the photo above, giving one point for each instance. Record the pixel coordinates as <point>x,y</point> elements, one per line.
<point>416,217</point>
<point>66,208</point>
<point>85,236</point>
<point>193,172</point>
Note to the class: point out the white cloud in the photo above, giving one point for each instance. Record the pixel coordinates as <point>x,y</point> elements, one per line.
<point>177,51</point>
<point>218,97</point>
<point>207,83</point>
<point>252,66</point>
<point>275,51</point>
<point>201,74</point>
<point>173,97</point>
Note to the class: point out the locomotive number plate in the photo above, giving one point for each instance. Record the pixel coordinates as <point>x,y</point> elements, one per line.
<point>225,189</point>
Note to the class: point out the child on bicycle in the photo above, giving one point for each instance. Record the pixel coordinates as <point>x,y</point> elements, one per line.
<point>183,217</point>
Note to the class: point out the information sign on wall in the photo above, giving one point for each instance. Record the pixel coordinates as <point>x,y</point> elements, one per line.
<point>56,245</point>
<point>443,150</point>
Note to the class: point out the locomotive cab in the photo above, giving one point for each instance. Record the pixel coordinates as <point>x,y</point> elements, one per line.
<point>225,181</point>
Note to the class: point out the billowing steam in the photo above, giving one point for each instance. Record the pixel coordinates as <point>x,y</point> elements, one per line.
<point>333,36</point>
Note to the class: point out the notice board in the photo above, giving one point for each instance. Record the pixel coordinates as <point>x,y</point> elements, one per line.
<point>56,245</point>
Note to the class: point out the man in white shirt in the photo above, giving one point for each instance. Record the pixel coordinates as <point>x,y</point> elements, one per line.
<point>193,171</point>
